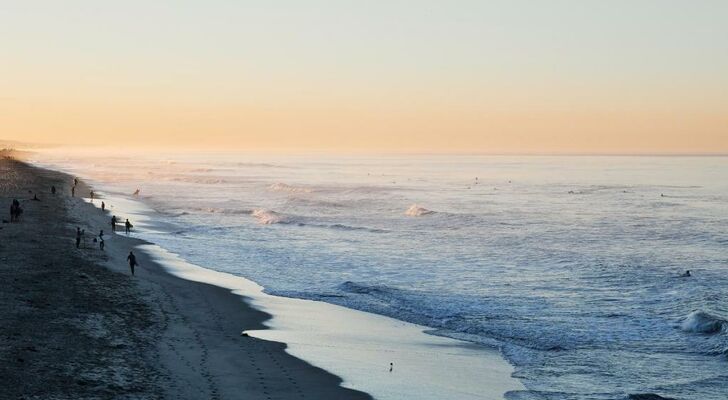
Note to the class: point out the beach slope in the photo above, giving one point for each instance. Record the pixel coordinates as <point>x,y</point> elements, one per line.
<point>75,324</point>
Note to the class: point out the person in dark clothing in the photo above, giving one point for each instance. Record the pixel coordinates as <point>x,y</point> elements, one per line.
<point>78,237</point>
<point>101,240</point>
<point>73,191</point>
<point>53,190</point>
<point>92,195</point>
<point>15,211</point>
<point>113,223</point>
<point>132,261</point>
<point>128,226</point>
<point>103,206</point>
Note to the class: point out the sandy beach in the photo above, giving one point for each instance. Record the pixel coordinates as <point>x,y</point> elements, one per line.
<point>76,324</point>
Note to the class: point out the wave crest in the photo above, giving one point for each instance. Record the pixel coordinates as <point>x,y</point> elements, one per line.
<point>352,287</point>
<point>417,211</point>
<point>702,322</point>
<point>284,187</point>
<point>268,217</point>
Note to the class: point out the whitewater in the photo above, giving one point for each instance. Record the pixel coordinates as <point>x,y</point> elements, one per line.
<point>569,265</point>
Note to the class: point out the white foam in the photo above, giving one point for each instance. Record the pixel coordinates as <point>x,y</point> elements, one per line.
<point>283,187</point>
<point>417,211</point>
<point>268,217</point>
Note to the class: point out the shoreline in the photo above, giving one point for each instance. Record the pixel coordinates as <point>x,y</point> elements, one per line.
<point>190,330</point>
<point>321,333</point>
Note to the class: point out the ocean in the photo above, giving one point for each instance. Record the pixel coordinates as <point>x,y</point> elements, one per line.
<point>569,265</point>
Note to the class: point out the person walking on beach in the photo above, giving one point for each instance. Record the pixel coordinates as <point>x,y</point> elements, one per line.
<point>132,261</point>
<point>78,237</point>
<point>103,206</point>
<point>73,191</point>
<point>53,190</point>
<point>128,226</point>
<point>92,195</point>
<point>101,240</point>
<point>113,223</point>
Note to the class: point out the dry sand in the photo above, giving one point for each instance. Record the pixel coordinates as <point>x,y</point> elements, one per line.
<point>75,325</point>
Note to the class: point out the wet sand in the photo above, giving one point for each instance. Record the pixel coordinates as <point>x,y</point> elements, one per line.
<point>75,324</point>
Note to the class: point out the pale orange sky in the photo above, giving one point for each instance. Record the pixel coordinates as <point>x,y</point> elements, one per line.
<point>513,77</point>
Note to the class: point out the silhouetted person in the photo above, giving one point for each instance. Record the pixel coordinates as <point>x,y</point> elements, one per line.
<point>53,190</point>
<point>78,237</point>
<point>73,191</point>
<point>132,261</point>
<point>75,181</point>
<point>101,239</point>
<point>15,211</point>
<point>113,223</point>
<point>128,226</point>
<point>92,195</point>
<point>103,206</point>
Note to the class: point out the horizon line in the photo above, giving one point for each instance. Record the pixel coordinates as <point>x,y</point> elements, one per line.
<point>36,148</point>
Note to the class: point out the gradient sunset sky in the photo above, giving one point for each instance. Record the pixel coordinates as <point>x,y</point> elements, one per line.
<point>613,76</point>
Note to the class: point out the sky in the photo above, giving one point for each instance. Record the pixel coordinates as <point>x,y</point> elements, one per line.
<point>581,76</point>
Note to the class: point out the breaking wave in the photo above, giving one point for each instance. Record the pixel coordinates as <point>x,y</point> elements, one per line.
<point>702,322</point>
<point>283,187</point>
<point>268,217</point>
<point>417,211</point>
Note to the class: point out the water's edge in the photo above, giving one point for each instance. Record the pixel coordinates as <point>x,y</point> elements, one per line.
<point>355,345</point>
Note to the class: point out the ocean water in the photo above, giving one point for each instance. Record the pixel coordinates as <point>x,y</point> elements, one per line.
<point>569,265</point>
